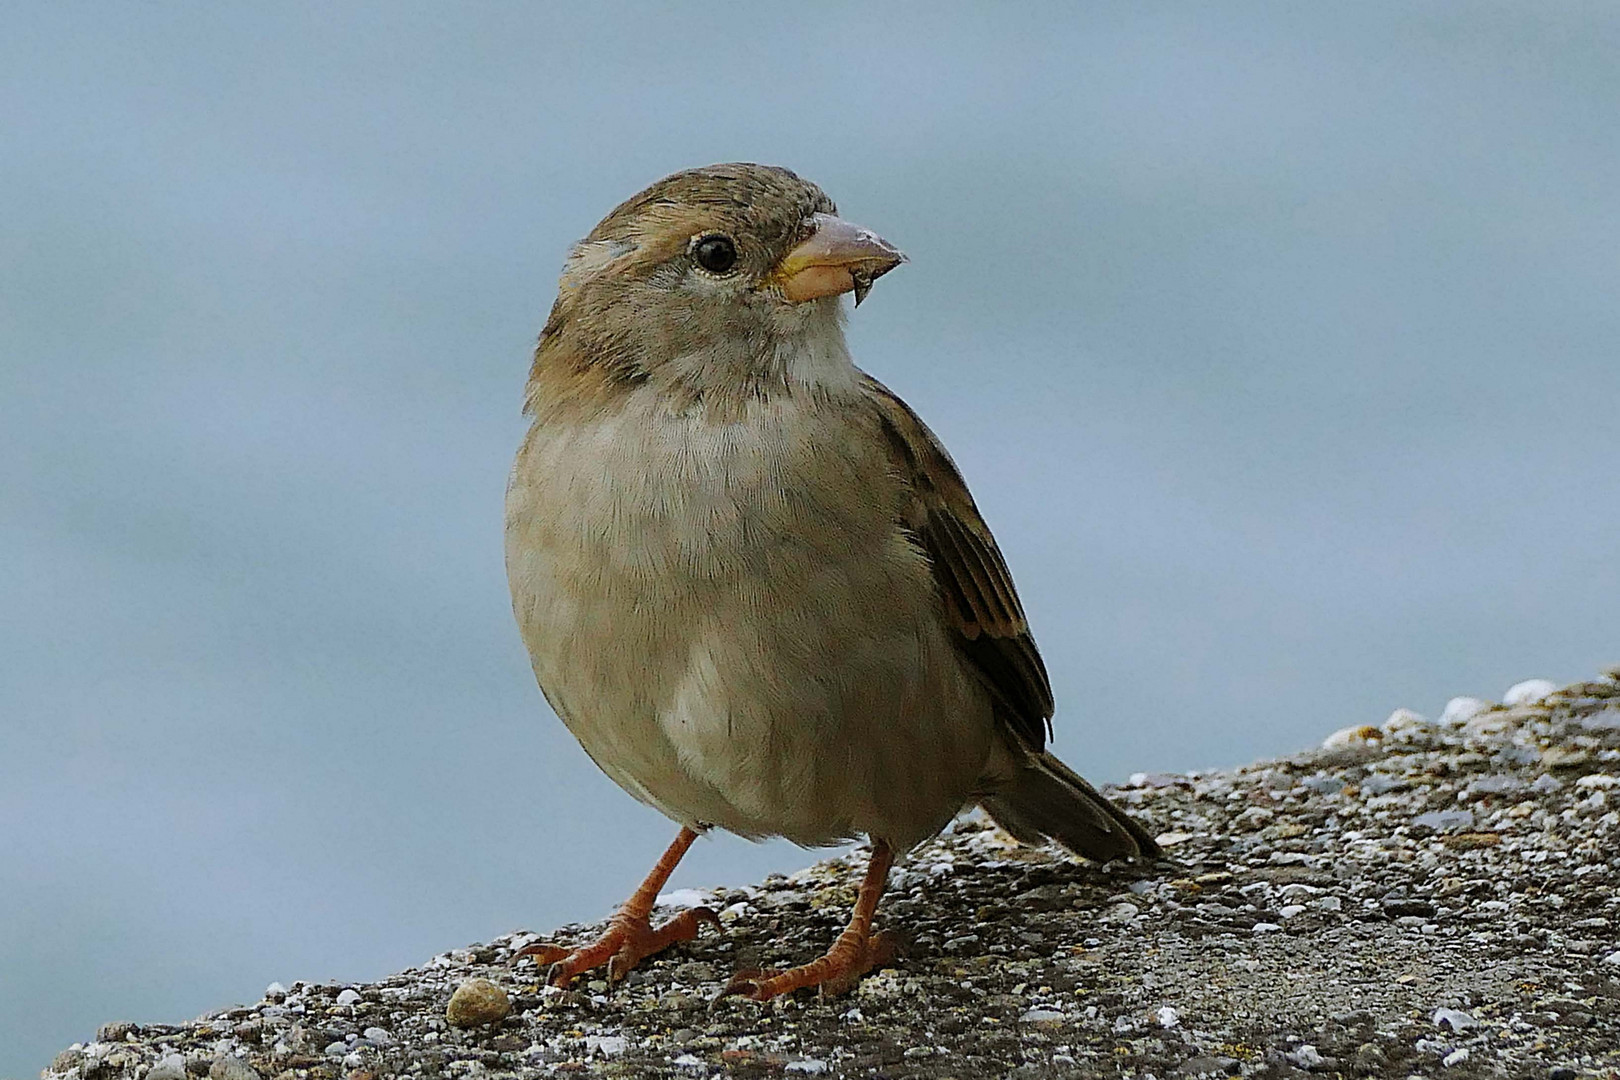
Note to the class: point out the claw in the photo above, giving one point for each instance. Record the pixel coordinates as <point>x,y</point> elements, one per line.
<point>629,936</point>
<point>627,941</point>
<point>544,955</point>
<point>747,983</point>
<point>857,950</point>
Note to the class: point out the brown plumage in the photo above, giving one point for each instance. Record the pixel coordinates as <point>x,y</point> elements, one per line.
<point>752,582</point>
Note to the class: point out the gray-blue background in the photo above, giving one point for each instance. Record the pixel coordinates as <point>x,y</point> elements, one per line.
<point>1277,341</point>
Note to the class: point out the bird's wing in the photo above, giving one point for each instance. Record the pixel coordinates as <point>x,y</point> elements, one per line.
<point>973,581</point>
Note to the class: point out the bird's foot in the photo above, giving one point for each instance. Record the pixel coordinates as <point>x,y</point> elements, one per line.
<point>629,939</point>
<point>850,957</point>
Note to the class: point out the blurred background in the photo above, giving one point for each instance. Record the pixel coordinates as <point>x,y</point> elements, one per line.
<point>1278,342</point>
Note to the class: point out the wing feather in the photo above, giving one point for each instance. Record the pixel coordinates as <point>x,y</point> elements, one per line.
<point>975,587</point>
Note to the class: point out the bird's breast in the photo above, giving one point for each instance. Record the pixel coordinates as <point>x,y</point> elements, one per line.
<point>673,499</point>
<point>721,612</point>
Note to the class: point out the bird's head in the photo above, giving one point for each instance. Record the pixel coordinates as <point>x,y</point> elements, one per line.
<point>706,280</point>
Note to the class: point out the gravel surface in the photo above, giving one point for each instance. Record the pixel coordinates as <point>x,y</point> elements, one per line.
<point>1437,898</point>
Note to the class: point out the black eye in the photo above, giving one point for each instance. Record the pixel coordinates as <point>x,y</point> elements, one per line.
<point>716,254</point>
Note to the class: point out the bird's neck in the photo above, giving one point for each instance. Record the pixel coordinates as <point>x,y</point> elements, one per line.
<point>812,359</point>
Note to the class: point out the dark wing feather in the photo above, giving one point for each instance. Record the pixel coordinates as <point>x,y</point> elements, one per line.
<point>973,580</point>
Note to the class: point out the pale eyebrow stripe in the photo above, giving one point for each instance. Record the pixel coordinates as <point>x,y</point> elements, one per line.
<point>589,256</point>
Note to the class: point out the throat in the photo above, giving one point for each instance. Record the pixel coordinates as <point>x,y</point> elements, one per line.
<point>724,381</point>
<point>816,358</point>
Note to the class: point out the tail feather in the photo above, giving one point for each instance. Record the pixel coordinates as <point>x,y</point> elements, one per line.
<point>1049,800</point>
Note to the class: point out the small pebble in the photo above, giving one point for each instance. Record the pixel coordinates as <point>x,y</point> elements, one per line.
<point>1351,738</point>
<point>477,1002</point>
<point>1528,692</point>
<point>1382,784</point>
<point>1306,1056</point>
<point>1455,1019</point>
<point>606,1045</point>
<point>1404,720</point>
<point>169,1067</point>
<point>348,996</point>
<point>1460,710</point>
<point>1443,820</point>
<point>1324,784</point>
<point>231,1067</point>
<point>1039,1016</point>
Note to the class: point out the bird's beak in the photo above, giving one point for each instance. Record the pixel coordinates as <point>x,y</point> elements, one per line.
<point>837,258</point>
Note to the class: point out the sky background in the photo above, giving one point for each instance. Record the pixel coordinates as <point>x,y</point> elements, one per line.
<point>1278,343</point>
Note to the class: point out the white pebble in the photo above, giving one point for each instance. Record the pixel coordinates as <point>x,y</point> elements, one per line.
<point>1121,912</point>
<point>1456,1057</point>
<point>1530,690</point>
<point>1167,1017</point>
<point>606,1045</point>
<point>1404,720</point>
<point>348,996</point>
<point>1306,1057</point>
<point>1353,738</point>
<point>1036,1016</point>
<point>1443,820</point>
<point>1460,710</point>
<point>1455,1019</point>
<point>1613,958</point>
<point>1266,927</point>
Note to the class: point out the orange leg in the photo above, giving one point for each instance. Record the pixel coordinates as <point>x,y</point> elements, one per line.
<point>630,935</point>
<point>856,951</point>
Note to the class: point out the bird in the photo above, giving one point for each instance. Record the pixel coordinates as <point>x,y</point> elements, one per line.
<point>751,581</point>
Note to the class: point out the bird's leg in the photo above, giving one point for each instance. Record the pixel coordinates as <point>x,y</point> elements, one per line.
<point>630,935</point>
<point>856,951</point>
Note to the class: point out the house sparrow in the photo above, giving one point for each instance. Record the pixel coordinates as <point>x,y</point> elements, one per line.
<point>751,581</point>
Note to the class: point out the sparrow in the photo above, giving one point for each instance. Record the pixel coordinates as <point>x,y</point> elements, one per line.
<point>751,581</point>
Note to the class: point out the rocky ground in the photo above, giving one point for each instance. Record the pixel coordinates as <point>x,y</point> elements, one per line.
<point>1433,898</point>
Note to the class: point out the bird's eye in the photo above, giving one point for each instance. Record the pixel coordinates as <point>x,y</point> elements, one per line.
<point>716,254</point>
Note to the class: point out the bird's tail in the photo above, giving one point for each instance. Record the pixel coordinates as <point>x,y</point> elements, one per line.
<point>1049,800</point>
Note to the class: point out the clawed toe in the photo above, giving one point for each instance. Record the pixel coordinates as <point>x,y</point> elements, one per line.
<point>544,955</point>
<point>746,982</point>
<point>627,941</point>
<point>834,973</point>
